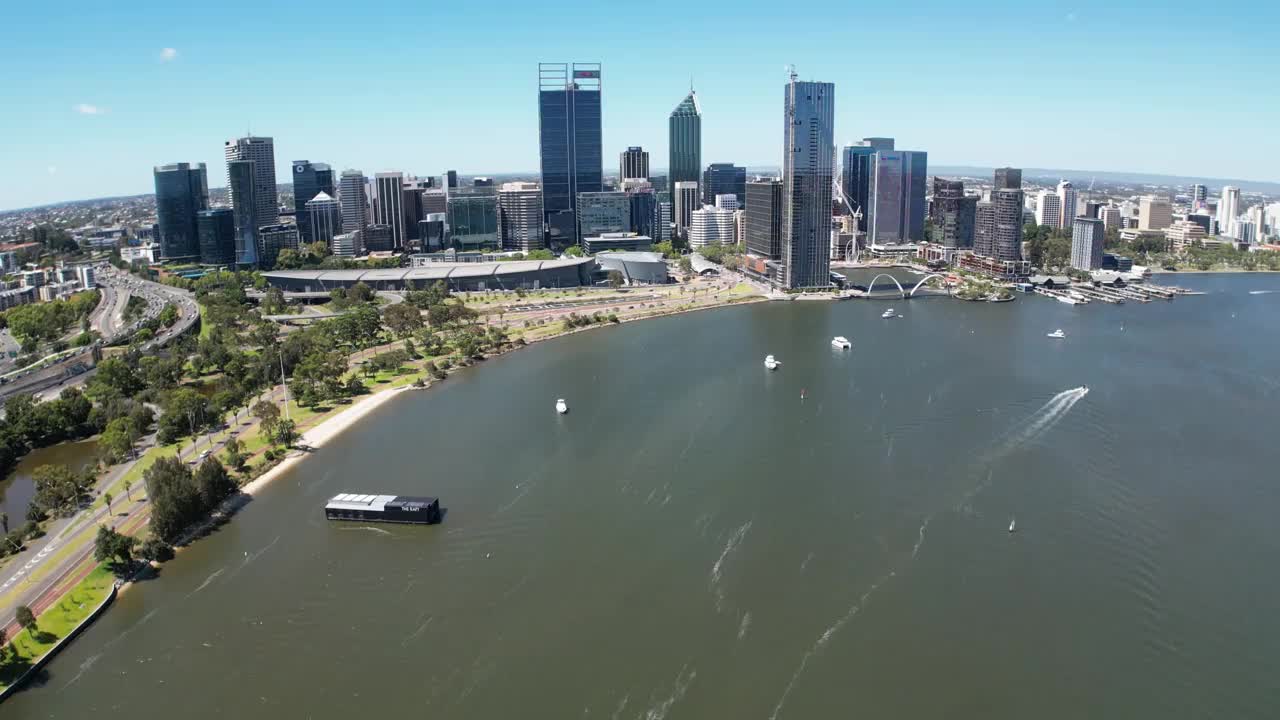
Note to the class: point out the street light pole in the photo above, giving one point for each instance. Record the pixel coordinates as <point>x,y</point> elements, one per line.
<point>284,385</point>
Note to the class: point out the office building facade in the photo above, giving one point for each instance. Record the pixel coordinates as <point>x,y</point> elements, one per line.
<point>711,225</point>
<point>603,212</point>
<point>1006,219</point>
<point>1154,213</point>
<point>378,237</point>
<point>953,214</point>
<point>570,140</point>
<point>242,179</point>
<point>348,244</point>
<point>644,206</point>
<point>1228,211</point>
<point>324,219</point>
<point>686,201</point>
<point>807,174</point>
<point>309,180</point>
<point>898,197</point>
<point>633,163</point>
<point>684,143</point>
<point>1007,178</point>
<point>273,239</point>
<point>182,191</point>
<point>1087,238</point>
<point>388,206</point>
<point>473,222</point>
<point>216,228</point>
<point>1110,216</point>
<point>723,179</point>
<point>859,163</point>
<point>1067,201</point>
<point>764,218</point>
<point>260,150</point>
<point>520,216</point>
<point>1049,209</point>
<point>354,201</point>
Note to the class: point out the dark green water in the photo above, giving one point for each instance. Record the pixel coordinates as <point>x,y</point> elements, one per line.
<point>17,490</point>
<point>695,541</point>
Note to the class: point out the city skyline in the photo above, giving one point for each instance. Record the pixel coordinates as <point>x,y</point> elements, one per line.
<point>93,121</point>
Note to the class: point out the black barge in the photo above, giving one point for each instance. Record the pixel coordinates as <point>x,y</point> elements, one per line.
<point>384,508</point>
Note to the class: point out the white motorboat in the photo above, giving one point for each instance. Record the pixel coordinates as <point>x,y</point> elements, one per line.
<point>1067,300</point>
<point>771,363</point>
<point>1013,524</point>
<point>1057,334</point>
<point>841,342</point>
<point>887,313</point>
<point>561,406</point>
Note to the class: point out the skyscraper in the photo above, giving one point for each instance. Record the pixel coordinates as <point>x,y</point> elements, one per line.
<point>603,212</point>
<point>633,163</point>
<point>724,178</point>
<point>710,225</point>
<point>569,143</point>
<point>1110,216</point>
<point>1087,237</point>
<point>1049,209</point>
<point>1228,211</point>
<point>241,187</point>
<point>897,194</point>
<point>324,218</point>
<point>856,180</point>
<point>684,138</point>
<point>1154,213</point>
<point>520,216</point>
<point>685,202</point>
<point>984,228</point>
<point>450,179</point>
<point>182,190</point>
<point>1067,200</point>
<point>1199,196</point>
<point>411,199</point>
<point>309,180</point>
<point>879,144</point>
<point>355,204</point>
<point>764,218</point>
<point>217,230</point>
<point>952,213</point>
<point>808,154</point>
<point>1008,178</point>
<point>388,205</point>
<point>261,150</point>
<point>1006,218</point>
<point>644,206</point>
<point>473,222</point>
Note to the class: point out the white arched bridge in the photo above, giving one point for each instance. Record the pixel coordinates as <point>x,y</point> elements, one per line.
<point>904,292</point>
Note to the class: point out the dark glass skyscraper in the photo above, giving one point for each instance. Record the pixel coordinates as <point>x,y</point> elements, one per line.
<point>724,179</point>
<point>764,218</point>
<point>182,190</point>
<point>240,188</point>
<point>309,180</point>
<point>684,137</point>
<point>855,180</point>
<point>808,154</point>
<point>217,231</point>
<point>633,163</point>
<point>897,194</point>
<point>569,142</point>
<point>1008,178</point>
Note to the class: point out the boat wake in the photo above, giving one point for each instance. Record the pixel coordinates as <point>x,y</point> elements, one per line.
<point>745,625</point>
<point>206,582</point>
<point>1044,419</point>
<point>734,540</point>
<point>370,528</point>
<point>1262,292</point>
<point>659,710</point>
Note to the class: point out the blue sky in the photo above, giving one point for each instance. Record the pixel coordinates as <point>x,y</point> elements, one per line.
<point>92,100</point>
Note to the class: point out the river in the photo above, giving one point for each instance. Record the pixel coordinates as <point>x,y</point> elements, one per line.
<point>17,490</point>
<point>695,539</point>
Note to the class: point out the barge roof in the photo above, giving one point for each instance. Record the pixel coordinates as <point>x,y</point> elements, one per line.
<point>362,501</point>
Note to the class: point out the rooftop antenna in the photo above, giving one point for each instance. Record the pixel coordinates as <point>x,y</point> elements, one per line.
<point>791,70</point>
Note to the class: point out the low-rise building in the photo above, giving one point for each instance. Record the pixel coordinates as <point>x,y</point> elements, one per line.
<point>993,268</point>
<point>1184,233</point>
<point>626,241</point>
<point>637,268</point>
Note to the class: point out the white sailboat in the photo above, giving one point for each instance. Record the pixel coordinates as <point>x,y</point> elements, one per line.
<point>1013,524</point>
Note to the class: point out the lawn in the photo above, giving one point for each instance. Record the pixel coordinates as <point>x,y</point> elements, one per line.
<point>56,623</point>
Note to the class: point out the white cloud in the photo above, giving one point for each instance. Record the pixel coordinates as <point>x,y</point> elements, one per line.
<point>87,109</point>
<point>168,54</point>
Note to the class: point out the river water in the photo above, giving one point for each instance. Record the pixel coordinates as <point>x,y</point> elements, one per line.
<point>17,490</point>
<point>696,540</point>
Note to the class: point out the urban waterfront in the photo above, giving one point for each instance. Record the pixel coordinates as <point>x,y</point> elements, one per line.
<point>695,539</point>
<point>17,490</point>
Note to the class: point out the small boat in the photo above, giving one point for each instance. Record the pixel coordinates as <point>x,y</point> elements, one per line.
<point>1013,524</point>
<point>770,362</point>
<point>561,406</point>
<point>1066,300</point>
<point>887,313</point>
<point>1057,334</point>
<point>840,342</point>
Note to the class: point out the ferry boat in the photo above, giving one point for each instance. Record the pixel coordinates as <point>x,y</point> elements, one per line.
<point>771,363</point>
<point>887,313</point>
<point>561,406</point>
<point>384,508</point>
<point>840,342</point>
<point>1057,334</point>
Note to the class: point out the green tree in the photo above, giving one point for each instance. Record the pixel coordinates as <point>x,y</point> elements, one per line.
<point>360,293</point>
<point>213,483</point>
<point>402,319</point>
<point>234,453</point>
<point>106,498</point>
<point>541,254</point>
<point>175,502</point>
<point>574,251</point>
<point>59,490</point>
<point>156,550</point>
<point>26,618</point>
<point>284,434</point>
<point>615,279</point>
<point>115,375</point>
<point>110,545</point>
<point>686,265</point>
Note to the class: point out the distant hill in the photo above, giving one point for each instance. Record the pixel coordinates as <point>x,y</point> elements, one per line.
<point>1084,177</point>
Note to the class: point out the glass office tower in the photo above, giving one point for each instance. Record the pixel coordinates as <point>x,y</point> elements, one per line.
<point>684,161</point>
<point>182,190</point>
<point>570,137</point>
<point>808,156</point>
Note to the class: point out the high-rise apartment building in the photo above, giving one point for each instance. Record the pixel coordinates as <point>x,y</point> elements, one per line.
<point>856,180</point>
<point>1087,238</point>
<point>216,228</point>
<point>662,228</point>
<point>309,180</point>
<point>242,178</point>
<point>710,225</point>
<point>520,216</point>
<point>898,202</point>
<point>633,163</point>
<point>807,174</point>
<point>984,228</point>
<point>684,143</point>
<point>1006,219</point>
<point>1154,213</point>
<point>1228,211</point>
<point>261,150</point>
<point>603,212</point>
<point>355,203</point>
<point>324,219</point>
<point>182,190</point>
<point>723,179</point>
<point>1067,201</point>
<point>569,143</point>
<point>764,218</point>
<point>1049,209</point>
<point>952,214</point>
<point>388,206</point>
<point>686,201</point>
